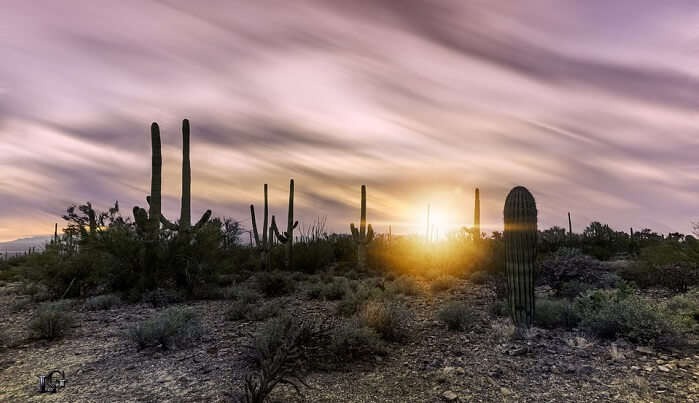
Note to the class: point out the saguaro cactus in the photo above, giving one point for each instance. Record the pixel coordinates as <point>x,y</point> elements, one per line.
<point>570,228</point>
<point>185,222</point>
<point>288,237</point>
<point>148,223</point>
<point>477,217</point>
<point>364,235</point>
<point>520,254</point>
<point>264,245</point>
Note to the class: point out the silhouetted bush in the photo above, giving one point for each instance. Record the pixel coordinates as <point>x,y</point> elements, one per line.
<point>443,283</point>
<point>388,318</point>
<point>352,340</point>
<point>404,285</point>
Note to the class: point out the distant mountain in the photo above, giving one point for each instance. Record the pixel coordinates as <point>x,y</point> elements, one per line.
<point>19,246</point>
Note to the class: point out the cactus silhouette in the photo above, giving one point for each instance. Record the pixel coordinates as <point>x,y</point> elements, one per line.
<point>264,245</point>
<point>520,254</point>
<point>477,217</point>
<point>148,223</point>
<point>288,237</point>
<point>185,222</point>
<point>364,235</point>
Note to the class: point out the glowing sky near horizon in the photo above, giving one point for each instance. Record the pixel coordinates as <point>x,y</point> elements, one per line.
<point>592,105</point>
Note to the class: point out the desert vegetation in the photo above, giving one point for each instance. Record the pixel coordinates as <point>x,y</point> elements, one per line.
<point>300,304</point>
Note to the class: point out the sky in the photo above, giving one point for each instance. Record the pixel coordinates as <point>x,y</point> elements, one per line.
<point>591,105</point>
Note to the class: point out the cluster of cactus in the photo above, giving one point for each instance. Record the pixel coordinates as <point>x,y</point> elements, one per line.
<point>264,245</point>
<point>287,238</point>
<point>520,254</point>
<point>364,235</point>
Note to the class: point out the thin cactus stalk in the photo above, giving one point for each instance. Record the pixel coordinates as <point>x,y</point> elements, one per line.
<point>520,254</point>
<point>427,226</point>
<point>287,238</point>
<point>265,244</point>
<point>362,236</point>
<point>184,225</point>
<point>477,217</point>
<point>148,223</point>
<point>570,228</point>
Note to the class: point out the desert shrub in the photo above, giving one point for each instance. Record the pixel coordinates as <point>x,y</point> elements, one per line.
<point>173,328</point>
<point>353,301</point>
<point>20,305</point>
<point>685,309</point>
<point>561,270</point>
<point>388,318</point>
<point>351,340</point>
<point>566,252</point>
<point>499,308</point>
<point>102,302</point>
<point>311,257</point>
<point>278,350</point>
<point>51,321</point>
<point>609,314</point>
<point>443,283</point>
<point>551,313</point>
<point>274,284</point>
<point>252,311</point>
<point>336,289</point>
<point>404,285</point>
<point>457,316</point>
<point>244,294</point>
<point>479,277</point>
<point>315,291</point>
<point>160,297</point>
<point>573,288</point>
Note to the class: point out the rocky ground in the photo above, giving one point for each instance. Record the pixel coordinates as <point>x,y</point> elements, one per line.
<point>433,365</point>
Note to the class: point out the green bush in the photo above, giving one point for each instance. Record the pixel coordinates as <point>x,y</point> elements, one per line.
<point>389,319</point>
<point>351,340</point>
<point>610,314</point>
<point>173,328</point>
<point>252,312</point>
<point>404,285</point>
<point>457,315</point>
<point>51,321</point>
<point>353,301</point>
<point>315,292</point>
<point>336,290</point>
<point>443,283</point>
<point>479,277</point>
<point>274,284</point>
<point>552,313</point>
<point>102,302</point>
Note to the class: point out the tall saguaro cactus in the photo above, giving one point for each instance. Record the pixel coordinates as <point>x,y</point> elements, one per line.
<point>185,222</point>
<point>264,245</point>
<point>520,254</point>
<point>148,223</point>
<point>288,237</point>
<point>364,235</point>
<point>477,217</point>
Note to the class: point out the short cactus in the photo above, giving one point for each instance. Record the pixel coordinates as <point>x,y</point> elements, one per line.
<point>287,238</point>
<point>364,235</point>
<point>520,254</point>
<point>185,222</point>
<point>264,245</point>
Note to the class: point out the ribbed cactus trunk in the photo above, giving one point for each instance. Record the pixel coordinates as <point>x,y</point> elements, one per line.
<point>364,235</point>
<point>186,208</point>
<point>155,184</point>
<point>520,254</point>
<point>290,228</point>
<point>477,217</point>
<point>92,220</point>
<point>570,229</point>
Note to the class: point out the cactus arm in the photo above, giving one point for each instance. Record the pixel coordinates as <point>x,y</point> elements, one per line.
<point>254,226</point>
<point>355,232</point>
<point>203,220</point>
<point>167,224</point>
<point>369,234</point>
<point>296,224</point>
<point>273,228</point>
<point>477,216</point>
<point>362,220</point>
